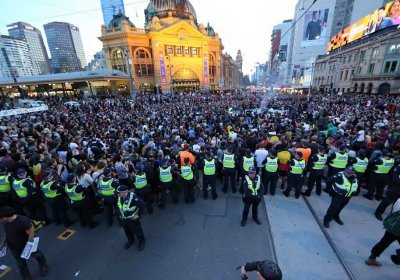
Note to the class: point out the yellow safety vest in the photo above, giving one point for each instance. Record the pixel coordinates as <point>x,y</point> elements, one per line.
<point>140,181</point>
<point>385,167</point>
<point>271,165</point>
<point>361,165</point>
<point>127,212</point>
<point>209,167</point>
<point>320,164</point>
<point>347,188</point>
<point>298,167</point>
<point>228,161</point>
<point>48,192</point>
<point>5,185</point>
<point>340,161</point>
<point>248,163</point>
<point>252,188</point>
<point>165,174</point>
<point>187,172</point>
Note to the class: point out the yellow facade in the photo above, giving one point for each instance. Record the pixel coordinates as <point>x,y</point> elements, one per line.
<point>191,54</point>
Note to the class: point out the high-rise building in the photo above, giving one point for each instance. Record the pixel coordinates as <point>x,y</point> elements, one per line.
<point>349,11</point>
<point>111,8</point>
<point>98,61</point>
<point>15,58</point>
<point>33,37</point>
<point>66,48</point>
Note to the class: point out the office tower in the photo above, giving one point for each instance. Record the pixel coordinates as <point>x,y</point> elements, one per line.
<point>111,8</point>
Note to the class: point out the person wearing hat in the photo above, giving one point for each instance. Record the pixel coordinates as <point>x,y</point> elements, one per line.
<point>337,161</point>
<point>209,178</point>
<point>27,195</point>
<point>142,188</point>
<point>253,191</point>
<point>360,164</point>
<point>344,186</point>
<point>53,193</point>
<point>80,201</point>
<point>130,208</point>
<point>270,177</point>
<point>166,175</point>
<point>392,194</point>
<point>6,181</point>
<point>266,270</point>
<point>229,163</point>
<point>107,186</point>
<point>379,175</point>
<point>317,165</point>
<point>188,183</point>
<point>296,175</point>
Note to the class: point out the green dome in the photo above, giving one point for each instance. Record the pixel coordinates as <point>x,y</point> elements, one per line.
<point>118,19</point>
<point>179,8</point>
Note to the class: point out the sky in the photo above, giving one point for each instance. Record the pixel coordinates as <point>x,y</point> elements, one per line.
<point>241,24</point>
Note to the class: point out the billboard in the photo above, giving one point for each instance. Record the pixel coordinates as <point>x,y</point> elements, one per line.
<point>379,19</point>
<point>314,28</point>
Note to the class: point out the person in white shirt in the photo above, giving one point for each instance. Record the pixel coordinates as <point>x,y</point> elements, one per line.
<point>260,154</point>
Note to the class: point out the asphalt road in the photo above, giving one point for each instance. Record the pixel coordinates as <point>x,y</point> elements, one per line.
<point>203,240</point>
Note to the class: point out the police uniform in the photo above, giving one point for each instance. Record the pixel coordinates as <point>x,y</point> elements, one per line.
<point>379,176</point>
<point>131,208</point>
<point>360,165</point>
<point>6,181</point>
<point>392,194</point>
<point>107,187</point>
<point>296,176</point>
<point>209,177</point>
<point>54,195</point>
<point>253,192</point>
<point>271,174</point>
<point>337,161</point>
<point>142,190</point>
<point>317,165</point>
<point>343,188</point>
<point>188,183</point>
<point>167,183</point>
<point>229,171</point>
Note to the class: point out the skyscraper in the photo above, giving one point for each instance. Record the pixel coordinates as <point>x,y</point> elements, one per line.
<point>15,58</point>
<point>66,48</point>
<point>33,37</point>
<point>111,8</point>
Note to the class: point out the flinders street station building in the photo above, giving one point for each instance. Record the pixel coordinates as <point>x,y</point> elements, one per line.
<point>172,52</point>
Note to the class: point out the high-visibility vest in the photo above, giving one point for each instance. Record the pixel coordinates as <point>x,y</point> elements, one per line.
<point>5,185</point>
<point>248,162</point>
<point>347,188</point>
<point>187,172</point>
<point>298,167</point>
<point>21,191</point>
<point>271,165</point>
<point>165,174</point>
<point>320,164</point>
<point>127,212</point>
<point>250,184</point>
<point>105,187</point>
<point>231,134</point>
<point>228,161</point>
<point>47,191</point>
<point>340,160</point>
<point>209,167</point>
<point>361,165</point>
<point>72,194</point>
<point>140,181</point>
<point>385,167</point>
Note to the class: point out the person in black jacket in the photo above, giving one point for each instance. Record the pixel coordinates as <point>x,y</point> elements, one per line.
<point>266,270</point>
<point>253,192</point>
<point>392,194</point>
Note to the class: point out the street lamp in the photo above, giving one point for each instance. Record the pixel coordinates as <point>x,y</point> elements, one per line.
<point>131,81</point>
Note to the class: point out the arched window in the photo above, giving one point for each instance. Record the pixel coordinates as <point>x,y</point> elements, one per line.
<point>141,54</point>
<point>370,86</point>
<point>384,88</point>
<point>362,87</point>
<point>355,87</point>
<point>118,61</point>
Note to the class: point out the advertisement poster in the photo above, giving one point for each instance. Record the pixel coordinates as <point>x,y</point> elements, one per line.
<point>379,19</point>
<point>162,69</point>
<point>314,28</point>
<point>205,70</point>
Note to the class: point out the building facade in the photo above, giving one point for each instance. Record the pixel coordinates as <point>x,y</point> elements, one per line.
<point>33,37</point>
<point>172,53</point>
<point>369,65</point>
<point>98,62</point>
<point>15,58</point>
<point>66,48</point>
<point>110,8</point>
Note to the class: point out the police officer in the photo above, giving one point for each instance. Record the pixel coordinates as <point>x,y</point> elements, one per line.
<point>188,182</point>
<point>266,270</point>
<point>131,208</point>
<point>253,192</point>
<point>317,165</point>
<point>27,195</point>
<point>338,161</point>
<point>107,186</point>
<point>344,186</point>
<point>54,195</point>
<point>209,177</point>
<point>296,175</point>
<point>360,164</point>
<point>80,202</point>
<point>247,161</point>
<point>392,194</point>
<point>6,181</point>
<point>271,163</point>
<point>379,175</point>
<point>142,188</point>
<point>229,170</point>
<point>167,183</point>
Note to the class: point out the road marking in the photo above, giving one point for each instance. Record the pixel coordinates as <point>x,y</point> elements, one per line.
<point>66,234</point>
<point>4,270</point>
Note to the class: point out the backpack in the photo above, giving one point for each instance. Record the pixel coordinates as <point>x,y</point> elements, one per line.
<point>392,223</point>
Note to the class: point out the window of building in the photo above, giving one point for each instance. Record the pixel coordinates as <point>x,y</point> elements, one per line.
<point>170,50</point>
<point>374,53</point>
<point>349,59</point>
<point>346,75</point>
<point>371,68</point>
<point>179,50</point>
<point>194,51</point>
<point>142,54</point>
<point>393,48</point>
<point>362,55</point>
<point>187,51</point>
<point>341,75</point>
<point>390,67</point>
<point>359,70</point>
<point>352,74</point>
